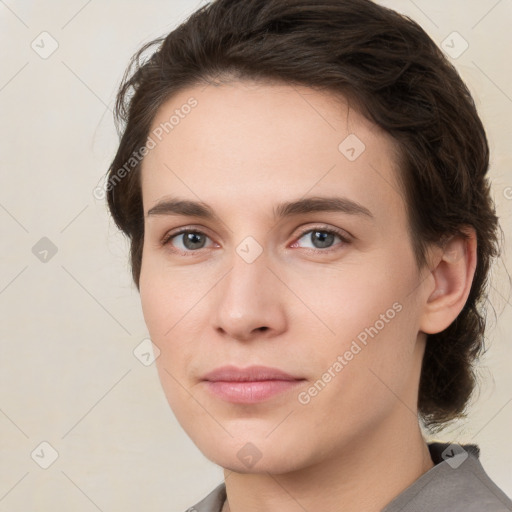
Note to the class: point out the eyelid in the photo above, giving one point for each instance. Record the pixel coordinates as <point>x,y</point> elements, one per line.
<point>184,229</point>
<point>331,229</point>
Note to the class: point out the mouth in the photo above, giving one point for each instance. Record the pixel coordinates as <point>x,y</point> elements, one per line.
<point>249,385</point>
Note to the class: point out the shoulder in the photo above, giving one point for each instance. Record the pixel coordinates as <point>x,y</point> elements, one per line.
<point>457,482</point>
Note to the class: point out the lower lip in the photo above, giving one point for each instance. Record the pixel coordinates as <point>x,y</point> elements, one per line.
<point>249,392</point>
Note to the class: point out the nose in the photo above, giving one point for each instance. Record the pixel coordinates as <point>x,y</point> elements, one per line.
<point>249,301</point>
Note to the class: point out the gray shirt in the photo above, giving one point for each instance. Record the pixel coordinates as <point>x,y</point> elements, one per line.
<point>457,483</point>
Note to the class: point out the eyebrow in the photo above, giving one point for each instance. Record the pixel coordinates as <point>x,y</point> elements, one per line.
<point>299,207</point>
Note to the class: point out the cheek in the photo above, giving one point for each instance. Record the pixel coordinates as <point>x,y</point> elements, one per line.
<point>150,291</point>
<point>173,309</point>
<point>367,384</point>
<point>356,300</point>
<point>370,354</point>
<point>166,296</point>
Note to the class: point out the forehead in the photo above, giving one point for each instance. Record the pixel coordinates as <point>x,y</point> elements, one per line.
<point>258,144</point>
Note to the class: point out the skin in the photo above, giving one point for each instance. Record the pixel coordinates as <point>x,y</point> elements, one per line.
<point>299,305</point>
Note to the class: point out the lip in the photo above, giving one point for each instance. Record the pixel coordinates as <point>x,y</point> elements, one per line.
<point>249,385</point>
<point>251,373</point>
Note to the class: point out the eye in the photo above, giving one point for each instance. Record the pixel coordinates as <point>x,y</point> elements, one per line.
<point>322,239</point>
<point>187,240</point>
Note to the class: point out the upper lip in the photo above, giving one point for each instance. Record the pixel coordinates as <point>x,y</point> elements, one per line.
<point>249,374</point>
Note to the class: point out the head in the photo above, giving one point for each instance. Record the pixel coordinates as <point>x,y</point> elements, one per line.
<point>249,106</point>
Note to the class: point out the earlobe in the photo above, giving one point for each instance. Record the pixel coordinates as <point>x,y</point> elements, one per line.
<point>453,275</point>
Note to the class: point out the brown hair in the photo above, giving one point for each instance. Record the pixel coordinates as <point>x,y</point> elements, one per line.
<point>399,79</point>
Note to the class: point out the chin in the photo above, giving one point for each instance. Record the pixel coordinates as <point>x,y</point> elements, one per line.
<point>264,466</point>
<point>258,456</point>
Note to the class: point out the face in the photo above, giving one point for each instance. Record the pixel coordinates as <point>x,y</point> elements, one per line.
<point>276,237</point>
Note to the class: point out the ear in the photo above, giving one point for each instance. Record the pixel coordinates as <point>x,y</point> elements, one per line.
<point>451,278</point>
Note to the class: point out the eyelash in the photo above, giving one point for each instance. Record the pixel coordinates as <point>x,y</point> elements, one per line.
<point>322,229</point>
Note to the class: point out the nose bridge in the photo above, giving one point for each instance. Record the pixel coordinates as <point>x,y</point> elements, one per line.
<point>246,285</point>
<point>248,298</point>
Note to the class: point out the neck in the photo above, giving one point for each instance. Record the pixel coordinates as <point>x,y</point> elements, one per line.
<point>366,475</point>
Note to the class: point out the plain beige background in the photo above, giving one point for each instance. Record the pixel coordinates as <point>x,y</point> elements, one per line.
<point>70,316</point>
